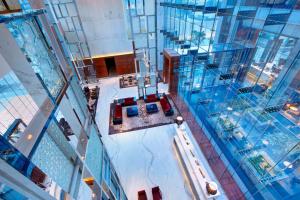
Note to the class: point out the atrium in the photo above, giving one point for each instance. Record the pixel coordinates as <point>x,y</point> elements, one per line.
<point>150,99</point>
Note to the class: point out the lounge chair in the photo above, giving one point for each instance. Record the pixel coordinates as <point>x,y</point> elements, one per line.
<point>142,195</point>
<point>156,193</point>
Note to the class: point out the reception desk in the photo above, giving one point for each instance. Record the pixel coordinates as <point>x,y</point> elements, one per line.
<point>202,184</point>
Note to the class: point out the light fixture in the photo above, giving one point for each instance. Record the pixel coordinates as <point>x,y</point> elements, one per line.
<point>287,164</point>
<point>229,108</point>
<point>29,136</point>
<point>265,142</point>
<point>211,188</point>
<point>293,108</point>
<point>179,121</point>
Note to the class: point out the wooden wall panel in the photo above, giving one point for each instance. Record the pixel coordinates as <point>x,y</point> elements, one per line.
<point>171,62</point>
<point>100,67</point>
<point>124,64</point>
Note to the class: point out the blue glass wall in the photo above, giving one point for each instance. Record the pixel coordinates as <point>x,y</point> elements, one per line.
<point>239,73</point>
<point>53,158</point>
<point>37,50</point>
<point>17,107</point>
<point>94,155</point>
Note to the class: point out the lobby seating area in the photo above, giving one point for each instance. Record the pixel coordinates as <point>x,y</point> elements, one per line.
<point>117,110</point>
<point>129,114</point>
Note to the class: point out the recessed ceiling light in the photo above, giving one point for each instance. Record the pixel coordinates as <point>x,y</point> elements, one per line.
<point>229,108</point>
<point>265,142</point>
<point>287,164</point>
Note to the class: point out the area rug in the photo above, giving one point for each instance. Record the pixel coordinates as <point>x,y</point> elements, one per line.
<point>127,81</point>
<point>143,120</point>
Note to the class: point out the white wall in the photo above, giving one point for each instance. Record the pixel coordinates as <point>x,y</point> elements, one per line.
<point>4,68</point>
<point>104,24</point>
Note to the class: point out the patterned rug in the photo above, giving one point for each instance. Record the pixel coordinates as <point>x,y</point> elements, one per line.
<point>128,81</point>
<point>143,120</point>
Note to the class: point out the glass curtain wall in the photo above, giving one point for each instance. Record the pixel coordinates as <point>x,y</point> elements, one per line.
<point>70,26</point>
<point>32,41</point>
<point>141,20</point>
<point>55,156</point>
<point>239,74</point>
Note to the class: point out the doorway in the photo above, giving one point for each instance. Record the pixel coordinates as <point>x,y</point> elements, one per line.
<point>111,66</point>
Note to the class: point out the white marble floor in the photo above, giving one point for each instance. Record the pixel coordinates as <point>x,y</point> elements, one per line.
<point>143,158</point>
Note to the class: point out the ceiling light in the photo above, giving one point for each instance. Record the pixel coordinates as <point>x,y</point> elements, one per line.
<point>265,142</point>
<point>287,164</point>
<point>293,108</point>
<point>229,108</point>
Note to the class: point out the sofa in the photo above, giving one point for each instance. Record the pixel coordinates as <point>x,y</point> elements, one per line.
<point>156,193</point>
<point>117,115</point>
<point>130,101</point>
<point>166,106</point>
<point>151,98</point>
<point>142,195</point>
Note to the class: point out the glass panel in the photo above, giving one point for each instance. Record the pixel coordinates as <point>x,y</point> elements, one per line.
<point>94,153</point>
<point>50,158</point>
<point>7,192</point>
<point>25,167</point>
<point>17,108</point>
<point>140,7</point>
<point>150,7</point>
<point>38,53</point>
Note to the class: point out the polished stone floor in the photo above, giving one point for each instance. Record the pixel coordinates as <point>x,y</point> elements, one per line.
<point>143,158</point>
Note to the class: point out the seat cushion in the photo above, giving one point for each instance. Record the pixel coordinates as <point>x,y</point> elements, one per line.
<point>129,101</point>
<point>118,111</point>
<point>151,108</point>
<point>151,98</point>
<point>165,105</point>
<point>132,111</point>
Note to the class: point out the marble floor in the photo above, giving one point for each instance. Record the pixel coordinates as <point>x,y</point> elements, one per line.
<point>142,158</point>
